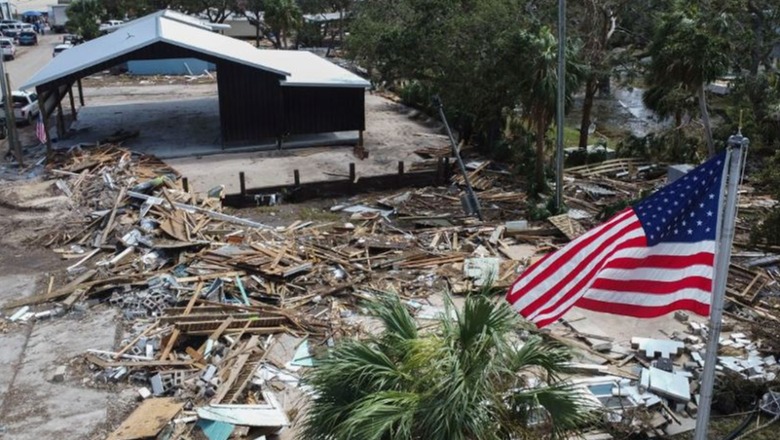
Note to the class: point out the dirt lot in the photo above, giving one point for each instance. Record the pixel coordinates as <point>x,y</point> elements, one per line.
<point>178,121</point>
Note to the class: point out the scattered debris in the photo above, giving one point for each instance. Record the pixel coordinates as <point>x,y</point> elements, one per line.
<point>224,311</point>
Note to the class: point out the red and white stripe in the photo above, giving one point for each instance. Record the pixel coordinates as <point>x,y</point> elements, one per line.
<point>40,130</point>
<point>611,269</point>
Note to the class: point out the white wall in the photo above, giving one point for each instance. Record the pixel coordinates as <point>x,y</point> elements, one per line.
<point>5,10</point>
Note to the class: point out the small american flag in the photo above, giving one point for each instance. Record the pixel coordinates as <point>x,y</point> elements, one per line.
<point>40,129</point>
<point>651,259</point>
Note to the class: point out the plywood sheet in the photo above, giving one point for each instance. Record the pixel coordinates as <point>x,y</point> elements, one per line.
<point>148,419</point>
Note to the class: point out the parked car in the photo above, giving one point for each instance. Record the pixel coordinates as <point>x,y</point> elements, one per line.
<point>28,38</point>
<point>25,106</point>
<point>58,49</point>
<point>72,39</point>
<point>11,30</point>
<point>9,50</point>
<point>110,26</point>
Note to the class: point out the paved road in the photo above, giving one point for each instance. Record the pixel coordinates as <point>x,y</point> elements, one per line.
<point>30,59</point>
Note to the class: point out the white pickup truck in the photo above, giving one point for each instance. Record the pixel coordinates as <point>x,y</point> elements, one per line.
<point>25,106</point>
<point>110,26</point>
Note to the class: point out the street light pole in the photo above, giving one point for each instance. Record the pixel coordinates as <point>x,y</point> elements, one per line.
<point>560,105</point>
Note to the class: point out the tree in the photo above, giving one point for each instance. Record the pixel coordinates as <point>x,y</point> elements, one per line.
<point>689,49</point>
<point>84,18</point>
<point>427,47</point>
<point>253,10</point>
<point>217,11</point>
<point>538,83</point>
<point>283,17</point>
<point>596,30</point>
<point>467,378</point>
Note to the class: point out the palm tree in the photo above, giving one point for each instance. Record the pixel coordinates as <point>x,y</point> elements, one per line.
<point>538,87</point>
<point>466,379</point>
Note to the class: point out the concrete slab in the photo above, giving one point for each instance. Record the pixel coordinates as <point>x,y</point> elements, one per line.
<point>16,286</point>
<point>664,348</point>
<point>623,328</point>
<point>32,407</point>
<point>10,356</point>
<point>183,120</point>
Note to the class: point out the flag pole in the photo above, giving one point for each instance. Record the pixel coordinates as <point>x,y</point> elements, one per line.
<point>727,211</point>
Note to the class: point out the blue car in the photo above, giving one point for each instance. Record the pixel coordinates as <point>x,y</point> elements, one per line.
<point>27,38</point>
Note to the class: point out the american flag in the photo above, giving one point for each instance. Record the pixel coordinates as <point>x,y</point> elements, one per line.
<point>649,260</point>
<point>40,129</point>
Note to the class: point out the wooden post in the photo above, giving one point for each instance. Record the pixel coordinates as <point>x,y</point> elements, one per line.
<point>13,135</point>
<point>439,172</point>
<point>81,93</point>
<point>72,103</point>
<point>60,119</point>
<point>185,184</point>
<point>360,138</point>
<point>446,169</point>
<point>297,177</point>
<point>351,176</point>
<point>400,172</point>
<point>242,182</point>
<point>47,127</point>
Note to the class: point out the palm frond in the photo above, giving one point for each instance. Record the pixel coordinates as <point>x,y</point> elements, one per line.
<point>535,352</point>
<point>398,322</point>
<point>385,414</point>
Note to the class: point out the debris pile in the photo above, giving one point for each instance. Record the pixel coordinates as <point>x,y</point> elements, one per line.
<point>224,311</point>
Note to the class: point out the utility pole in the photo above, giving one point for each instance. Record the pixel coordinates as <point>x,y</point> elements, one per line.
<point>473,201</point>
<point>13,141</point>
<point>560,105</point>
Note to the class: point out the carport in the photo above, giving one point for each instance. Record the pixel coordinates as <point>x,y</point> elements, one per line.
<point>262,94</point>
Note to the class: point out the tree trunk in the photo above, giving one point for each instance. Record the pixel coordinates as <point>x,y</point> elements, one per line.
<point>587,109</point>
<point>257,33</point>
<point>705,119</point>
<point>540,183</point>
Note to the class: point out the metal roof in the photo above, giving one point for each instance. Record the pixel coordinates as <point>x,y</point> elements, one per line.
<point>309,69</point>
<point>298,67</point>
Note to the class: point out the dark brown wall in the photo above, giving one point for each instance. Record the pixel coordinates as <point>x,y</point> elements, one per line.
<point>323,109</point>
<point>250,103</point>
<point>253,106</point>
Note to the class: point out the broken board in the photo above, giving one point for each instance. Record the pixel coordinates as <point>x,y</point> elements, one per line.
<point>571,228</point>
<point>148,419</point>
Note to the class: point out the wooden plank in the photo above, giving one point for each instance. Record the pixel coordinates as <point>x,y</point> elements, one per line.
<point>211,276</point>
<point>148,419</point>
<point>63,291</point>
<point>110,224</point>
<point>176,331</point>
<point>134,364</point>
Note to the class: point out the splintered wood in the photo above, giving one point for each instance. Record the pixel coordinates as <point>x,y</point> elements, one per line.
<point>209,294</point>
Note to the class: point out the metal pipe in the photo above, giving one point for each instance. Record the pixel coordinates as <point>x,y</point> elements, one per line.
<point>437,102</point>
<point>727,212</point>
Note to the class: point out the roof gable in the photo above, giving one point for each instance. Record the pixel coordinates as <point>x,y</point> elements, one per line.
<point>176,29</point>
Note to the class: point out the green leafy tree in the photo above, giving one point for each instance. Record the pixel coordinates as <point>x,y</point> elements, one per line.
<point>217,11</point>
<point>84,18</point>
<point>253,10</point>
<point>426,47</point>
<point>467,378</point>
<point>689,50</point>
<point>538,83</point>
<point>283,17</point>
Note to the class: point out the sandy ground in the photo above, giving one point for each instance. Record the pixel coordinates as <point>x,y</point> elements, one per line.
<point>180,123</point>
